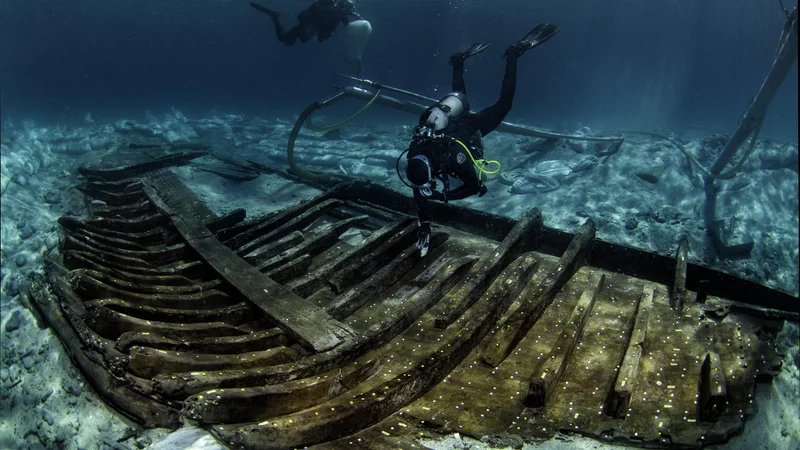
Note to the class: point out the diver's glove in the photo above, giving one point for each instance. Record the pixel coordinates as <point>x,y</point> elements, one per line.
<point>482,190</point>
<point>424,238</point>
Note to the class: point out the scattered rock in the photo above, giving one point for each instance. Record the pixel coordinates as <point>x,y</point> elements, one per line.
<point>47,416</point>
<point>12,287</point>
<point>20,180</point>
<point>51,241</point>
<point>26,232</point>
<point>647,176</point>
<point>631,223</point>
<point>28,363</point>
<point>3,374</point>
<point>14,322</point>
<point>21,260</point>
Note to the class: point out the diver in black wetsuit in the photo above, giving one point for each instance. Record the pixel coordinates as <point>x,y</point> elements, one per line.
<point>320,19</point>
<point>449,138</point>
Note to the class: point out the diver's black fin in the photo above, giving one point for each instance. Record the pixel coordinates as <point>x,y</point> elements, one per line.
<point>266,11</point>
<point>536,36</point>
<point>473,50</point>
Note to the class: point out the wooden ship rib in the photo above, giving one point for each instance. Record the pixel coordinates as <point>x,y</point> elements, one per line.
<point>274,332</point>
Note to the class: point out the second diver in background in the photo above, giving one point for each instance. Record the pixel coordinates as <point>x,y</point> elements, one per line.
<point>321,20</point>
<point>448,141</point>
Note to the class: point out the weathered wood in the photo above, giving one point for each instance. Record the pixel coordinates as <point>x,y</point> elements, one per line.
<point>141,209</point>
<point>141,409</point>
<point>232,315</point>
<point>228,220</point>
<point>77,259</point>
<point>313,245</point>
<point>71,243</point>
<point>720,308</point>
<point>117,187</point>
<point>678,292</point>
<point>368,290</point>
<point>712,395</point>
<point>515,327</point>
<point>120,173</point>
<point>291,270</point>
<point>147,362</point>
<point>273,222</point>
<point>311,326</point>
<point>333,420</point>
<point>111,198</point>
<point>619,398</point>
<point>111,324</point>
<point>113,242</point>
<point>275,248</point>
<point>546,377</point>
<point>271,232</point>
<point>128,225</point>
<point>313,281</point>
<point>112,279</point>
<point>370,263</point>
<point>153,237</point>
<point>255,341</point>
<point>523,237</point>
<point>92,288</point>
<point>189,383</point>
<point>262,402</point>
<point>153,258</point>
<point>142,283</point>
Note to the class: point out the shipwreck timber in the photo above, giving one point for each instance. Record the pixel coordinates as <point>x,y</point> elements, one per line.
<point>273,332</point>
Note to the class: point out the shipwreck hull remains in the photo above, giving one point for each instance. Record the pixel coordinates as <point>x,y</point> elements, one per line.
<point>275,332</point>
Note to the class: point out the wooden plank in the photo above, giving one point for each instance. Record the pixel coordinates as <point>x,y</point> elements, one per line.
<point>308,324</point>
<point>523,237</point>
<point>712,396</point>
<point>313,281</point>
<point>355,412</point>
<point>142,409</point>
<point>617,404</point>
<point>678,292</point>
<point>342,306</point>
<point>545,378</point>
<point>515,327</point>
<point>119,173</point>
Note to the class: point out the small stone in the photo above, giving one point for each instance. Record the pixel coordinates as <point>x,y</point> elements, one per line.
<point>21,260</point>
<point>20,180</point>
<point>647,176</point>
<point>47,416</point>
<point>631,223</point>
<point>13,372</point>
<point>3,374</point>
<point>28,363</point>
<point>51,241</point>
<point>26,232</point>
<point>12,287</point>
<point>14,322</point>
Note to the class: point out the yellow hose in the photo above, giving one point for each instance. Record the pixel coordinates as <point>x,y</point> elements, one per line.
<point>481,163</point>
<point>326,128</point>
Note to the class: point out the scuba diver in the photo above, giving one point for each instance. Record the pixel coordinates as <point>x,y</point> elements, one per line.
<point>448,141</point>
<point>321,19</point>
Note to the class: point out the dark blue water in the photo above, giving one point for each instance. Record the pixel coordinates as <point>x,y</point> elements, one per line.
<point>615,63</point>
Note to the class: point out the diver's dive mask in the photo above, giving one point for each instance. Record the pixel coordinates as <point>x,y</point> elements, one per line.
<point>436,118</point>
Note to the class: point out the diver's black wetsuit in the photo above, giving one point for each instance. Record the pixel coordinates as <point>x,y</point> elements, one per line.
<point>320,19</point>
<point>449,157</point>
